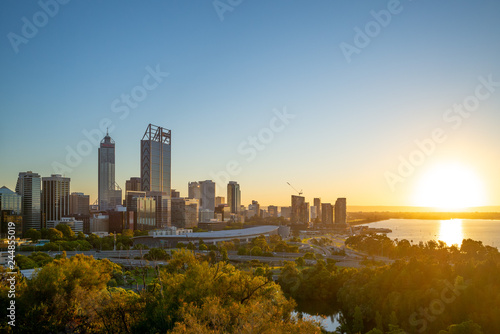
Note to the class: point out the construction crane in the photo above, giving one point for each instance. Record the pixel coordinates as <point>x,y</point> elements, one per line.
<point>299,192</point>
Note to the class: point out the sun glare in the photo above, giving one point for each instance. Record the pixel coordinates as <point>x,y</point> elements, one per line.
<point>450,231</point>
<point>450,187</point>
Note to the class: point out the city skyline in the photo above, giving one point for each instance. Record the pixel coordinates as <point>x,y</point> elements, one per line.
<point>307,96</point>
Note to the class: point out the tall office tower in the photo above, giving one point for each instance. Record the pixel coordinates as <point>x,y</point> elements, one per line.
<point>133,184</point>
<point>234,197</point>
<point>108,194</point>
<point>317,204</point>
<point>29,186</point>
<point>273,211</point>
<point>341,211</point>
<point>327,213</point>
<point>156,148</point>
<point>300,212</point>
<point>185,212</point>
<point>207,201</point>
<point>10,207</point>
<point>175,194</point>
<point>55,197</point>
<point>219,200</point>
<point>194,190</point>
<point>79,204</point>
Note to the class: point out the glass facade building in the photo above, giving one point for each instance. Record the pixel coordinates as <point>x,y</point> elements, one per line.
<point>156,171</point>
<point>234,197</point>
<point>109,196</point>
<point>29,186</point>
<point>10,201</point>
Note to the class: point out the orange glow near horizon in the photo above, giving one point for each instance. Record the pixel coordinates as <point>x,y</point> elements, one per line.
<point>450,187</point>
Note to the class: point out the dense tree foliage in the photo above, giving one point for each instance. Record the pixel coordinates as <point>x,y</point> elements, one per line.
<point>428,289</point>
<point>189,295</point>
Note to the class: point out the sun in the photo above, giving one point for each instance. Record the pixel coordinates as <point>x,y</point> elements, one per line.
<point>450,187</point>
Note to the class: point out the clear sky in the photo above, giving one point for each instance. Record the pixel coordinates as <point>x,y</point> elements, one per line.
<point>358,101</point>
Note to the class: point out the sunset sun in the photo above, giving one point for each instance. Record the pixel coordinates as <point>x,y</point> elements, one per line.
<point>450,187</point>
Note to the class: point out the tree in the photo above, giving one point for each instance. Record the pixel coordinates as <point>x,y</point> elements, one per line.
<point>223,253</point>
<point>54,234</point>
<point>128,233</point>
<point>466,327</point>
<point>300,261</point>
<point>256,251</point>
<point>33,234</point>
<point>156,254</point>
<point>358,326</point>
<point>68,233</point>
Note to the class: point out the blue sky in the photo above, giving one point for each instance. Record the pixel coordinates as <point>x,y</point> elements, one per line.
<point>352,120</point>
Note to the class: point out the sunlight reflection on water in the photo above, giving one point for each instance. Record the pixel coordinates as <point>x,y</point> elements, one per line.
<point>450,231</point>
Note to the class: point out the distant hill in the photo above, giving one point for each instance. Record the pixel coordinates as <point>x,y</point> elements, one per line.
<point>375,208</point>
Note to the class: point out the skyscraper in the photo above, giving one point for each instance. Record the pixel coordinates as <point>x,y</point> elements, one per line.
<point>55,197</point>
<point>300,212</point>
<point>341,211</point>
<point>317,204</point>
<point>234,197</point>
<point>207,201</point>
<point>327,213</point>
<point>185,212</point>
<point>10,206</point>
<point>194,190</point>
<point>156,147</point>
<point>108,194</point>
<point>29,186</point>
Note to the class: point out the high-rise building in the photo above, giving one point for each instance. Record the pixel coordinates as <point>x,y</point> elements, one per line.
<point>300,212</point>
<point>10,201</point>
<point>219,200</point>
<point>133,184</point>
<point>79,204</point>
<point>207,201</point>
<point>185,212</point>
<point>253,209</point>
<point>109,195</point>
<point>341,211</point>
<point>194,190</point>
<point>29,186</point>
<point>317,204</point>
<point>10,206</point>
<point>156,159</point>
<point>273,211</point>
<point>234,196</point>
<point>327,213</point>
<point>156,148</point>
<point>55,197</point>
<point>175,194</point>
